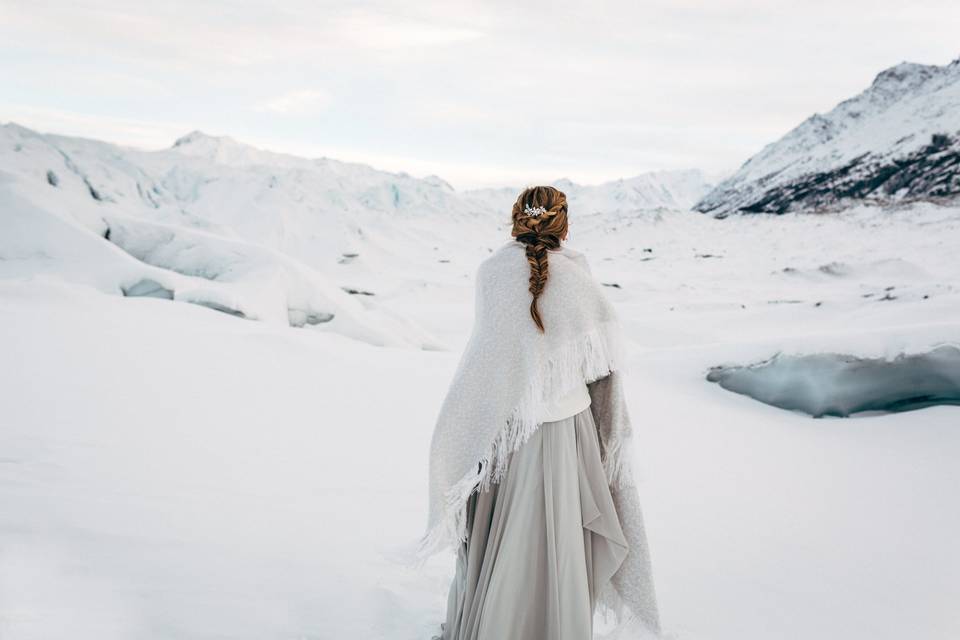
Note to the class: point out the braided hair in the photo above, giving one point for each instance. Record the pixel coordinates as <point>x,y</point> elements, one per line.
<point>539,222</point>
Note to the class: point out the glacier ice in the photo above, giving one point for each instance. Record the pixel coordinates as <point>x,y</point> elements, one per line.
<point>301,318</point>
<point>147,288</point>
<point>830,384</point>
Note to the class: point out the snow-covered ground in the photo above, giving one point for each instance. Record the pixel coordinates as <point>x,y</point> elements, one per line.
<point>171,471</point>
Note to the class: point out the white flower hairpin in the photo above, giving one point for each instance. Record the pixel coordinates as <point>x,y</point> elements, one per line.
<point>534,212</point>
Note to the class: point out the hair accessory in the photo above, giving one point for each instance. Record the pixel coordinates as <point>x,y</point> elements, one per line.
<point>535,212</point>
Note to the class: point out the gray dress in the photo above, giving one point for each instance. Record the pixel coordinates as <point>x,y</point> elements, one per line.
<point>540,544</point>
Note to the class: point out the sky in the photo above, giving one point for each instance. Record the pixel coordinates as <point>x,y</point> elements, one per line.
<point>479,93</point>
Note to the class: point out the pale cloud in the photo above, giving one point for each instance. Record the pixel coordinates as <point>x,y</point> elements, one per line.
<point>216,33</point>
<point>472,90</point>
<point>373,30</point>
<point>296,103</point>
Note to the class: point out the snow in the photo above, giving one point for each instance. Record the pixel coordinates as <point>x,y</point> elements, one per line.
<point>171,471</point>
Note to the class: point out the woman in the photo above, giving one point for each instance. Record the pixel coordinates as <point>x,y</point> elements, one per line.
<point>529,462</point>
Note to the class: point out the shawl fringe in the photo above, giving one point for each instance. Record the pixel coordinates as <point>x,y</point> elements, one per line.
<point>591,356</point>
<point>611,606</point>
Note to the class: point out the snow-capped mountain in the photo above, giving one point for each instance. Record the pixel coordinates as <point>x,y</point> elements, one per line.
<point>262,235</point>
<point>653,190</point>
<point>211,221</point>
<point>897,141</point>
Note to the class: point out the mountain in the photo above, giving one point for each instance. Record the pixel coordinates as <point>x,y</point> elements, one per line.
<point>214,222</point>
<point>898,141</point>
<point>653,190</point>
<point>270,237</point>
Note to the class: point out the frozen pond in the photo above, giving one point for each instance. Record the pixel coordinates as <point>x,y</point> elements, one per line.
<point>829,384</point>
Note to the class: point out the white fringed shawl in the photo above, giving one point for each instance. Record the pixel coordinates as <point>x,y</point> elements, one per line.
<point>506,377</point>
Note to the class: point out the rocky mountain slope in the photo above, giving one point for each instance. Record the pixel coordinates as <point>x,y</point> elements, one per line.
<point>898,141</point>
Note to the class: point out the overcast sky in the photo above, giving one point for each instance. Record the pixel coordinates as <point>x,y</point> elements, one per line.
<point>480,93</point>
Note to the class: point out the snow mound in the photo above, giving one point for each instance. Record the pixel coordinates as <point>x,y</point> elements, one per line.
<point>829,384</point>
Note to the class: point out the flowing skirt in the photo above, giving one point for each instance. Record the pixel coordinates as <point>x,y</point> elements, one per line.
<point>541,543</point>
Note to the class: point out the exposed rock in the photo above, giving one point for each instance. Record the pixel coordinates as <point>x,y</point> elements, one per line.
<point>357,292</point>
<point>216,306</point>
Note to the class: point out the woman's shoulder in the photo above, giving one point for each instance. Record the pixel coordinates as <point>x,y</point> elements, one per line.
<point>496,255</point>
<point>576,256</point>
<point>571,252</point>
<point>506,256</point>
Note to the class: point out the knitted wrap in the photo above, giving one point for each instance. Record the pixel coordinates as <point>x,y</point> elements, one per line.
<point>509,372</point>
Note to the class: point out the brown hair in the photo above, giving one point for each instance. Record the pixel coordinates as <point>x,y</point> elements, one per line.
<point>540,231</point>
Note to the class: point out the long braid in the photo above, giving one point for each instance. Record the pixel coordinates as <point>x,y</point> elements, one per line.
<point>539,233</point>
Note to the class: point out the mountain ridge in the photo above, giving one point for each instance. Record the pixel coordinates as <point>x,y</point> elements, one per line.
<point>898,140</point>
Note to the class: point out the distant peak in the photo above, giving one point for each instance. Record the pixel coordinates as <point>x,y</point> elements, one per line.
<point>908,67</point>
<point>198,136</point>
<point>906,73</point>
<point>14,126</point>
<point>437,181</point>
